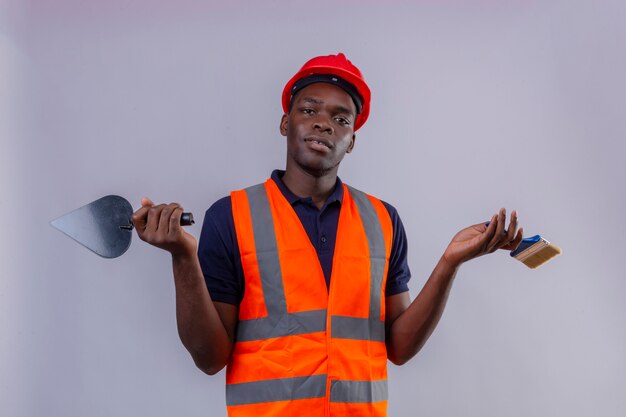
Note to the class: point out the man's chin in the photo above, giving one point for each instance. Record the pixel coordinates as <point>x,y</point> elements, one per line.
<point>318,171</point>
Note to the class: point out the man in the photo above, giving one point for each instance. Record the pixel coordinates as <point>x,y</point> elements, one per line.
<point>307,277</point>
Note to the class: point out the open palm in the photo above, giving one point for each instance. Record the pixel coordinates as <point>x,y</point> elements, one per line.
<point>483,238</point>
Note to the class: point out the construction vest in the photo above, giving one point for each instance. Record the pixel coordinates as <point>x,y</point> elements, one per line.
<point>302,349</point>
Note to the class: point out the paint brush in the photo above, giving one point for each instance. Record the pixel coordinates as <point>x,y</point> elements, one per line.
<point>535,251</point>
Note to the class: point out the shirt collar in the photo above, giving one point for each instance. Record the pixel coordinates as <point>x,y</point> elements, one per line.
<point>336,196</point>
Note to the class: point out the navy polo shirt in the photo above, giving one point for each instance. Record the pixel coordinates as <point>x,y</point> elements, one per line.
<point>220,260</point>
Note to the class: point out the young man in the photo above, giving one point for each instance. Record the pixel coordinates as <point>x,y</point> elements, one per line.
<point>307,276</point>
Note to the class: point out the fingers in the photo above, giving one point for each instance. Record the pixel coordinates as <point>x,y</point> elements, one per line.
<point>513,235</point>
<point>159,225</point>
<point>140,217</point>
<point>512,231</point>
<point>505,238</point>
<point>175,220</point>
<point>501,223</point>
<point>159,217</point>
<point>516,241</point>
<point>489,232</point>
<point>169,220</point>
<point>156,223</point>
<point>499,232</point>
<point>163,225</point>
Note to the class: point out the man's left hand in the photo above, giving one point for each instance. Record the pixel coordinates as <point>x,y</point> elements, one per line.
<point>480,239</point>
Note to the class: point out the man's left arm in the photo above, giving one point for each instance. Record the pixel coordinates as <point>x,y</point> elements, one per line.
<point>410,324</point>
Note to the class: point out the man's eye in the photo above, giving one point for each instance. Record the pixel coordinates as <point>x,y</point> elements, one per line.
<point>307,111</point>
<point>342,120</point>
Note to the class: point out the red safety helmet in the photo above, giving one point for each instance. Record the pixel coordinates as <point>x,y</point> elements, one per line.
<point>337,65</point>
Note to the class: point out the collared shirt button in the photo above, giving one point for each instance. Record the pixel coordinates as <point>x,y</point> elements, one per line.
<point>323,239</point>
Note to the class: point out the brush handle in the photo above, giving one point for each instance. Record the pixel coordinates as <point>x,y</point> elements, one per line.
<point>526,243</point>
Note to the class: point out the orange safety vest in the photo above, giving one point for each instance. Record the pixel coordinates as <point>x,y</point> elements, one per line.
<point>302,349</point>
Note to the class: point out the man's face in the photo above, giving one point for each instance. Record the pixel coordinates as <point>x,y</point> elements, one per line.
<point>319,129</point>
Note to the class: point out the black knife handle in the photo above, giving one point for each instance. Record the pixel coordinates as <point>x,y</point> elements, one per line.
<point>186,219</point>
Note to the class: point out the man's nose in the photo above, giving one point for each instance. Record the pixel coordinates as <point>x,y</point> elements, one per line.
<point>322,124</point>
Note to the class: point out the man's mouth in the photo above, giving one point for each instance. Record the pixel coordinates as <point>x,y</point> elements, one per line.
<point>318,142</point>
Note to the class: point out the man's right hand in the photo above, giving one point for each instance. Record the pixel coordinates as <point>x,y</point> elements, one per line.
<point>159,225</point>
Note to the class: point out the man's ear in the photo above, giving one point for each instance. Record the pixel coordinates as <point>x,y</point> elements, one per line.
<point>284,122</point>
<point>351,146</point>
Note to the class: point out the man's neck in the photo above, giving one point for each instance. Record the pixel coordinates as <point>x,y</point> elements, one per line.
<point>304,185</point>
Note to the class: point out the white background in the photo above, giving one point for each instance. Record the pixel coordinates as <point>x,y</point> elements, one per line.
<point>476,105</point>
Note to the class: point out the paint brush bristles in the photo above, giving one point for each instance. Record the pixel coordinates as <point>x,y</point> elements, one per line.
<point>535,251</point>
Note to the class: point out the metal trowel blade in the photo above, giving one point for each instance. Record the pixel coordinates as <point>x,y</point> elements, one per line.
<point>103,226</point>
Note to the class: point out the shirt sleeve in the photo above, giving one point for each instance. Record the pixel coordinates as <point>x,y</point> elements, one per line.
<point>218,253</point>
<point>398,275</point>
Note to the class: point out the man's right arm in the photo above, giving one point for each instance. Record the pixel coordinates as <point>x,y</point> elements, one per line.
<point>206,328</point>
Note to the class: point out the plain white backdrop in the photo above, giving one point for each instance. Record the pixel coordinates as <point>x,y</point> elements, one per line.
<point>476,105</point>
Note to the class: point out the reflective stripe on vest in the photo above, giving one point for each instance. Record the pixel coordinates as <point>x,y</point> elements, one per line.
<point>302,335</point>
<point>370,328</point>
<point>278,322</point>
<point>271,390</point>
